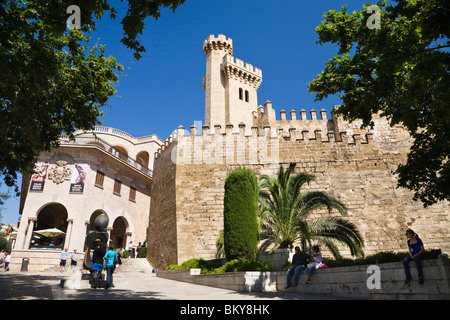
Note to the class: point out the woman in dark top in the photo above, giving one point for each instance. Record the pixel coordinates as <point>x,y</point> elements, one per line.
<point>415,246</point>
<point>97,265</point>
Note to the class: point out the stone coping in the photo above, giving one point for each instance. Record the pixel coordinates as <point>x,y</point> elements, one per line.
<point>351,282</point>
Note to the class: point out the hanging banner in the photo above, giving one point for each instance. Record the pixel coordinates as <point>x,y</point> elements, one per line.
<point>39,176</point>
<point>78,178</point>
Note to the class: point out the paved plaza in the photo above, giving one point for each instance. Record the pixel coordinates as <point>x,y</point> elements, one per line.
<point>128,286</point>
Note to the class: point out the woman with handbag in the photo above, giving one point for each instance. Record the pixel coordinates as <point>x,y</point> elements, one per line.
<point>317,256</point>
<point>110,258</point>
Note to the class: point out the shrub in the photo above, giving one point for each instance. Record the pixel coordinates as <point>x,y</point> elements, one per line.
<point>201,263</point>
<point>380,257</point>
<point>231,266</point>
<point>189,264</point>
<point>240,208</point>
<point>244,265</point>
<point>142,252</point>
<point>4,244</point>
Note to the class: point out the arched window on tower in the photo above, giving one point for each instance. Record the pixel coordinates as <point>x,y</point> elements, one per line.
<point>246,96</point>
<point>241,94</point>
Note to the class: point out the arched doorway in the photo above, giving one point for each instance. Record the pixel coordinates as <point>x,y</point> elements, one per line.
<point>94,215</point>
<point>51,216</point>
<point>118,233</point>
<point>91,226</point>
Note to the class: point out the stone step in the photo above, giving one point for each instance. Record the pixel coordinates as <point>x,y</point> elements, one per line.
<point>135,265</point>
<point>128,265</point>
<point>79,280</point>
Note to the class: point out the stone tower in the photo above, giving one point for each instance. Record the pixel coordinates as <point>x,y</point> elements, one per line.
<point>230,85</point>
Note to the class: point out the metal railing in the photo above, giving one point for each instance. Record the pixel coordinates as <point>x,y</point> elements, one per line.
<point>102,144</point>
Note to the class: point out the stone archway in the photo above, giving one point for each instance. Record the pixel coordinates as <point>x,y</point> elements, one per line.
<point>143,158</point>
<point>120,151</point>
<point>53,215</point>
<point>91,225</point>
<point>94,215</point>
<point>119,233</point>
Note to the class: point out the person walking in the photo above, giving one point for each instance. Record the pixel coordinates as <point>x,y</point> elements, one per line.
<point>2,257</point>
<point>110,256</point>
<point>118,262</point>
<point>7,261</point>
<point>97,265</point>
<point>130,250</point>
<point>416,249</point>
<point>137,250</point>
<point>299,261</point>
<point>62,262</point>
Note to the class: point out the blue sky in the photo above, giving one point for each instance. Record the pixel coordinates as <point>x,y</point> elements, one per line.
<point>163,89</point>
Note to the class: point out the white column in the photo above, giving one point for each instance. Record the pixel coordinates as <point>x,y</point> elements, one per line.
<point>29,233</point>
<point>68,234</point>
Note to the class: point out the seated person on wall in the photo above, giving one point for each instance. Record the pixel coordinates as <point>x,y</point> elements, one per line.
<point>317,256</point>
<point>416,249</point>
<point>299,261</point>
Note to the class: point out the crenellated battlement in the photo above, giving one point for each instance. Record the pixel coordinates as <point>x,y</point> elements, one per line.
<point>221,42</point>
<point>269,138</point>
<point>244,72</point>
<point>265,115</point>
<point>268,132</point>
<point>231,144</point>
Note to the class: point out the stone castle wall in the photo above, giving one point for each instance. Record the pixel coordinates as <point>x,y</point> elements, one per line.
<point>162,226</point>
<point>186,214</point>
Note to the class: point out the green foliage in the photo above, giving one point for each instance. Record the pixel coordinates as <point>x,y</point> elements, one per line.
<point>3,197</point>
<point>53,15</point>
<point>4,244</point>
<point>220,246</point>
<point>380,257</point>
<point>285,210</point>
<point>240,207</point>
<point>189,264</point>
<point>52,82</point>
<point>50,85</point>
<point>142,252</point>
<point>208,267</point>
<point>243,265</point>
<point>402,72</point>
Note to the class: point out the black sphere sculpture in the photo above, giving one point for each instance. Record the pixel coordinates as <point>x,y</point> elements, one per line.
<point>95,237</point>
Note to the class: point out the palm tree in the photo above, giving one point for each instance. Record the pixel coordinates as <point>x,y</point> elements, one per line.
<point>284,212</point>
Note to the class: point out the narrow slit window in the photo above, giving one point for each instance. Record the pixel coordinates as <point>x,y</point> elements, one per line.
<point>246,96</point>
<point>241,94</point>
